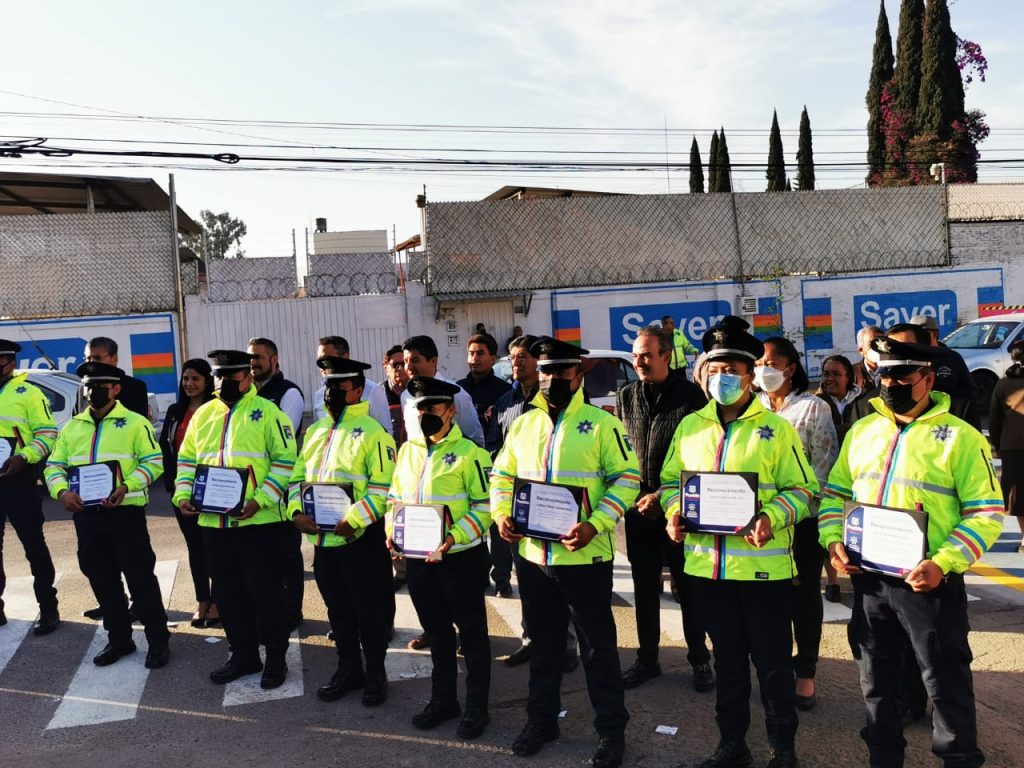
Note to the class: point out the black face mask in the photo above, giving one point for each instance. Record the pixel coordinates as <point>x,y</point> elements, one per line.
<point>98,397</point>
<point>558,392</point>
<point>898,397</point>
<point>430,424</point>
<point>230,390</point>
<point>334,399</point>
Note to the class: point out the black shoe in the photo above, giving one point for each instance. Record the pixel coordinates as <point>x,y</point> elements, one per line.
<point>236,667</point>
<point>96,614</point>
<point>730,754</point>
<point>703,678</point>
<point>330,635</point>
<point>473,724</point>
<point>832,593</point>
<point>782,758</point>
<point>520,655</point>
<point>504,589</point>
<point>49,619</point>
<point>533,737</point>
<point>609,752</point>
<point>376,691</point>
<point>112,653</point>
<point>571,661</point>
<point>399,583</point>
<point>274,673</point>
<point>158,655</point>
<point>435,713</point>
<point>640,673</point>
<point>133,615</point>
<point>3,616</point>
<point>347,678</point>
<point>806,703</point>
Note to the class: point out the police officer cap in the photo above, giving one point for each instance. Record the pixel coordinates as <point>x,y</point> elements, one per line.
<point>341,367</point>
<point>99,373</point>
<point>555,355</point>
<point>925,321</point>
<point>425,390</point>
<point>729,338</point>
<point>900,358</point>
<point>227,361</point>
<point>9,347</point>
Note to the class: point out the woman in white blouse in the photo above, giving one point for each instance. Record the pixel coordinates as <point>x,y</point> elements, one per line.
<point>783,383</point>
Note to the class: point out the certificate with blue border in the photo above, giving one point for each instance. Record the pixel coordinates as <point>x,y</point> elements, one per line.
<point>884,539</point>
<point>723,503</point>
<point>547,511</point>
<point>219,490</point>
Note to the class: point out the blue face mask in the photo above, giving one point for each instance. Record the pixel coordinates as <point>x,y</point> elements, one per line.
<point>725,388</point>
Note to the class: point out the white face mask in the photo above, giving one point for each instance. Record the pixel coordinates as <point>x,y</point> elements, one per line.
<point>769,379</point>
<point>872,357</point>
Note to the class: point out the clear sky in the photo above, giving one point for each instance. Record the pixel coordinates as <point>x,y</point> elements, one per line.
<point>681,65</point>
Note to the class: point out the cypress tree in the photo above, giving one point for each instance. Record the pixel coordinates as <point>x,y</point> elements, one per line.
<point>724,180</point>
<point>776,163</point>
<point>941,99</point>
<point>908,58</point>
<point>805,155</point>
<point>696,169</point>
<point>881,73</point>
<point>713,164</point>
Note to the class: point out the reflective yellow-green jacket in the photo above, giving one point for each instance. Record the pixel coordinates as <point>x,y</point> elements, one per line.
<point>253,434</point>
<point>452,472</point>
<point>121,436</point>
<point>25,418</point>
<point>356,450</point>
<point>937,461</point>
<point>681,347</point>
<point>758,441</point>
<point>587,447</point>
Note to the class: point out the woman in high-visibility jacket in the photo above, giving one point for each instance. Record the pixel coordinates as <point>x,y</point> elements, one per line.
<point>443,468</point>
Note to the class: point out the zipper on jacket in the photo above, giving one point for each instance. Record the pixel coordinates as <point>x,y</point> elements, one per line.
<point>94,452</point>
<point>890,464</point>
<point>988,466</point>
<point>423,475</point>
<point>224,431</point>
<point>723,448</point>
<point>548,555</point>
<point>327,448</point>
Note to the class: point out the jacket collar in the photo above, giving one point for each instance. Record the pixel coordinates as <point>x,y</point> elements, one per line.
<point>17,378</point>
<point>117,412</point>
<point>540,402</point>
<point>940,405</point>
<point>710,411</point>
<point>353,412</point>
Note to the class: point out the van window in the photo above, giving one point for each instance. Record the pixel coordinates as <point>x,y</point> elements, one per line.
<point>981,335</point>
<point>57,401</point>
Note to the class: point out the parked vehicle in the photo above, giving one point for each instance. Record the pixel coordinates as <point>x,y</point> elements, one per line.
<point>605,372</point>
<point>983,344</point>
<point>61,389</point>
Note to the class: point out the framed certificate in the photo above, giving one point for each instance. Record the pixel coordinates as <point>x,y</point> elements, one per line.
<point>219,490</point>
<point>420,528</point>
<point>7,447</point>
<point>326,503</point>
<point>546,511</point>
<point>884,539</point>
<point>94,482</point>
<point>723,503</point>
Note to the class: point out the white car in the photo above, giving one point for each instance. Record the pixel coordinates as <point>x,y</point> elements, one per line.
<point>984,345</point>
<point>605,372</point>
<point>64,391</point>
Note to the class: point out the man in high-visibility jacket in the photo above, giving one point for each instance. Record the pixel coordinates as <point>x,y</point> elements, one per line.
<point>112,533</point>
<point>27,435</point>
<point>348,447</point>
<point>743,583</point>
<point>681,346</point>
<point>912,453</point>
<point>564,440</point>
<point>240,430</point>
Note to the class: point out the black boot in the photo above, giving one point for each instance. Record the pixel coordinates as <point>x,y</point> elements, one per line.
<point>112,652</point>
<point>610,750</point>
<point>533,737</point>
<point>274,672</point>
<point>783,758</point>
<point>49,619</point>
<point>235,667</point>
<point>348,678</point>
<point>435,713</point>
<point>730,754</point>
<point>376,691</point>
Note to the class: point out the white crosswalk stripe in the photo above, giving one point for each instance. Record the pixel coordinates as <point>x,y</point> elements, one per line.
<point>108,694</point>
<point>246,690</point>
<point>400,662</point>
<point>22,610</point>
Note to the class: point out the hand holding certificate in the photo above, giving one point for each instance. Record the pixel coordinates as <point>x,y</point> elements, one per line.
<point>94,483</point>
<point>219,490</point>
<point>419,529</point>
<point>326,503</point>
<point>719,502</point>
<point>546,510</point>
<point>883,539</point>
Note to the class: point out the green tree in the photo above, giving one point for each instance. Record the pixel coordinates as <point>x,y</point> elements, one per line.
<point>713,164</point>
<point>724,180</point>
<point>805,155</point>
<point>941,99</point>
<point>221,232</point>
<point>881,73</point>
<point>908,58</point>
<point>696,169</point>
<point>776,163</point>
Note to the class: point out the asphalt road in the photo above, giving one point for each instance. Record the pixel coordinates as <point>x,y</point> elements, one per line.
<point>58,709</point>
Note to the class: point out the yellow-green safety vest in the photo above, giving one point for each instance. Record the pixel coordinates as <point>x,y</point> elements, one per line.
<point>25,418</point>
<point>681,347</point>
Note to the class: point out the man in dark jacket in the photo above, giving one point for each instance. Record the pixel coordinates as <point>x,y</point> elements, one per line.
<point>952,375</point>
<point>651,409</point>
<point>134,393</point>
<point>482,385</point>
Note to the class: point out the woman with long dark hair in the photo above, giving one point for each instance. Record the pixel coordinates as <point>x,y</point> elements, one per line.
<point>195,388</point>
<point>783,383</point>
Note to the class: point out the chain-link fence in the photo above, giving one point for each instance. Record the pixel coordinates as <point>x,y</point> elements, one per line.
<point>351,274</point>
<point>251,279</point>
<point>986,202</point>
<point>83,264</point>
<point>574,242</point>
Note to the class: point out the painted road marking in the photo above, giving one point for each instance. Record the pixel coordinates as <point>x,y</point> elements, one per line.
<point>22,610</point>
<point>400,662</point>
<point>246,690</point>
<point>108,694</point>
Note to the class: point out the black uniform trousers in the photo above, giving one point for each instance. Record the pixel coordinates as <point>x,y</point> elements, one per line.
<point>248,578</point>
<point>383,579</point>
<point>452,592</point>
<point>649,550</point>
<point>20,503</point>
<point>348,580</point>
<point>889,616</point>
<point>808,610</point>
<point>751,621</point>
<point>501,558</point>
<point>198,561</point>
<point>294,575</point>
<point>551,595</point>
<point>116,541</point>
